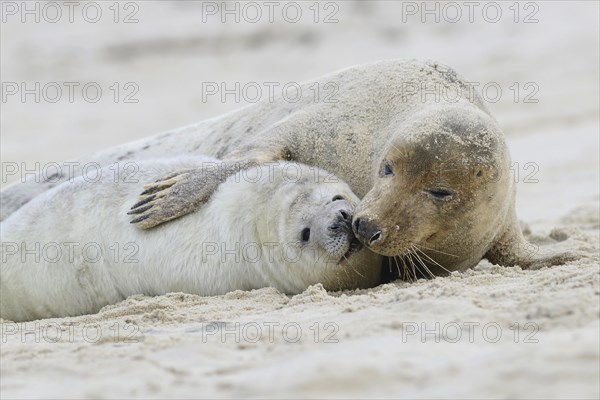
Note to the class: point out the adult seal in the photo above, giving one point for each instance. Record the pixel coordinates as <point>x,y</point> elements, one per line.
<point>72,250</point>
<point>412,138</point>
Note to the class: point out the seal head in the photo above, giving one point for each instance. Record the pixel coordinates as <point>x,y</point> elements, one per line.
<point>318,245</point>
<point>442,190</point>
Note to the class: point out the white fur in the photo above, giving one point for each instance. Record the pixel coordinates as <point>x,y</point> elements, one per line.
<point>170,258</point>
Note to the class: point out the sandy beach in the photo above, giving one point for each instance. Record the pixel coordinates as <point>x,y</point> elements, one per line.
<point>490,332</point>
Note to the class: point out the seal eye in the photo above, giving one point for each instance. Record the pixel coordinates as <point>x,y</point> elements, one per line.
<point>337,197</point>
<point>305,234</point>
<point>387,169</point>
<point>440,194</point>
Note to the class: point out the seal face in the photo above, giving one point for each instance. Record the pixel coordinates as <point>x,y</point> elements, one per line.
<point>330,227</point>
<point>439,190</point>
<point>273,228</point>
<point>315,221</point>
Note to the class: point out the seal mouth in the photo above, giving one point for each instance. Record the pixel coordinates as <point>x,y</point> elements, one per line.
<point>354,247</point>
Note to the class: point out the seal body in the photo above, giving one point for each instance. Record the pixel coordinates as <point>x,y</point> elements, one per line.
<point>72,250</point>
<point>412,139</point>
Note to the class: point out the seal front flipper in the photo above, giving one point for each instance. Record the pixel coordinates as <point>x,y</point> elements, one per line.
<point>184,191</point>
<point>178,194</point>
<point>513,249</point>
<point>167,198</point>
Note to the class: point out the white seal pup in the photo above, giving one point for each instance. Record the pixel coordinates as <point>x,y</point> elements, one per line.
<point>72,250</point>
<point>413,139</point>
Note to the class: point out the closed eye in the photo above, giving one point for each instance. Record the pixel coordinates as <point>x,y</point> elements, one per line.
<point>440,194</point>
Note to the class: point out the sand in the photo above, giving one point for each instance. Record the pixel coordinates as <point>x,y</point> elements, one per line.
<point>491,332</point>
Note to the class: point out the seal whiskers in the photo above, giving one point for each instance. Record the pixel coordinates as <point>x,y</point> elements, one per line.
<point>412,254</point>
<point>431,259</point>
<point>437,251</point>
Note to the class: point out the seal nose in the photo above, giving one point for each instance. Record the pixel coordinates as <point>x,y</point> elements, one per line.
<point>346,215</point>
<point>366,231</point>
<point>343,220</point>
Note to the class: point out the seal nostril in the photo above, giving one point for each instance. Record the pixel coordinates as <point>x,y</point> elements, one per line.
<point>375,237</point>
<point>345,215</point>
<point>356,224</point>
